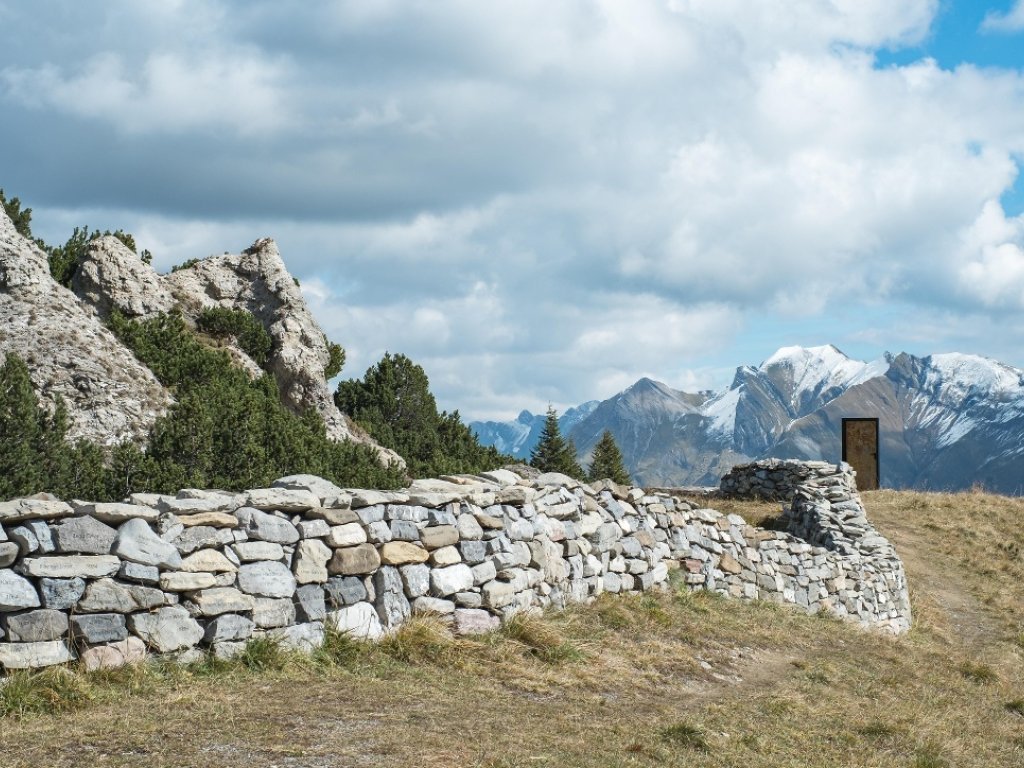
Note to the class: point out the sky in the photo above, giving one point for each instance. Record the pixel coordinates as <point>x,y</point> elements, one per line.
<point>540,202</point>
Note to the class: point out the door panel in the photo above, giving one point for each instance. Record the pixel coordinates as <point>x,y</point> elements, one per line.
<point>860,450</point>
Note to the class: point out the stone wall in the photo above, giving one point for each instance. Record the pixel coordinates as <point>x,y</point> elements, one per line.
<point>207,570</point>
<point>777,479</point>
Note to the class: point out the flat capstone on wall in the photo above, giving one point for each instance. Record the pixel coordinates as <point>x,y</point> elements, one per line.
<point>205,571</point>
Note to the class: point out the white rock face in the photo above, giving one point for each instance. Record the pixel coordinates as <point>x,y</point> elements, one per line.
<point>111,275</point>
<point>360,621</point>
<point>257,281</point>
<point>109,394</point>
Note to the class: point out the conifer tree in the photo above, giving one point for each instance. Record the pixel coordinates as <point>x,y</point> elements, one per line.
<point>553,453</point>
<point>21,431</point>
<point>394,404</point>
<point>606,463</point>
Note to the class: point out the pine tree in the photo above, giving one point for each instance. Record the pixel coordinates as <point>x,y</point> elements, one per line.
<point>606,463</point>
<point>553,453</point>
<point>394,404</point>
<point>22,425</point>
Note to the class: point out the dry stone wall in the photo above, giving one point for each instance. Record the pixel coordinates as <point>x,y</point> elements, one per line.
<point>205,571</point>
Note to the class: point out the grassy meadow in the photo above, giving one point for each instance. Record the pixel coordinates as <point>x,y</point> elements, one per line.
<point>666,679</point>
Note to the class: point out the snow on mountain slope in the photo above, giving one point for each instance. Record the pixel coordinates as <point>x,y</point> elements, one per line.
<point>808,377</point>
<point>947,421</point>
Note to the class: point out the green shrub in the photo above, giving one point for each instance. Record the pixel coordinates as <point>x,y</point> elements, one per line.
<point>226,430</point>
<point>394,404</point>
<point>242,326</point>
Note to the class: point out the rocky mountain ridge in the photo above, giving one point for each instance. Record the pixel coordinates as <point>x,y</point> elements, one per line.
<point>947,421</point>
<point>110,395</point>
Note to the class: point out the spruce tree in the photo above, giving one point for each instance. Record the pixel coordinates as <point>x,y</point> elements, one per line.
<point>606,463</point>
<point>22,425</point>
<point>553,453</point>
<point>394,404</point>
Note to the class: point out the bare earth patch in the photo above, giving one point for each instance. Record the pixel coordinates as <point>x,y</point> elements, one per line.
<point>673,679</point>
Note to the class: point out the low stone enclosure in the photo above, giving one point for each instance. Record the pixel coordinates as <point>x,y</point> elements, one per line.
<point>205,571</point>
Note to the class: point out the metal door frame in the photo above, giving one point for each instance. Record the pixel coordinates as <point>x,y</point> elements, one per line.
<point>878,443</point>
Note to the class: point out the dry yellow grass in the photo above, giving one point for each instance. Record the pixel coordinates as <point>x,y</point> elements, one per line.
<point>656,680</point>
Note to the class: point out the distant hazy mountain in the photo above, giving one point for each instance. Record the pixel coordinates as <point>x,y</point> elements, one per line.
<point>518,438</point>
<point>947,421</point>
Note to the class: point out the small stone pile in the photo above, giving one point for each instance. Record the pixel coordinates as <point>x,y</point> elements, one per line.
<point>205,571</point>
<point>776,479</point>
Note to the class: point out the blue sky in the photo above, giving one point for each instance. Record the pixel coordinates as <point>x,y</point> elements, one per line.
<point>542,202</point>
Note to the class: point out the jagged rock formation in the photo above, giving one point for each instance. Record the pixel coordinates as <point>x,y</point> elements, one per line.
<point>210,570</point>
<point>256,281</point>
<point>110,396</point>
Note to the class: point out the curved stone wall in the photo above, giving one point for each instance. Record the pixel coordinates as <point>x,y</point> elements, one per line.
<point>204,571</point>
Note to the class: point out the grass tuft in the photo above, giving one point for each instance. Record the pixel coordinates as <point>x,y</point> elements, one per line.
<point>1016,707</point>
<point>685,735</point>
<point>422,640</point>
<point>977,672</point>
<point>542,638</point>
<point>47,691</point>
<point>265,654</point>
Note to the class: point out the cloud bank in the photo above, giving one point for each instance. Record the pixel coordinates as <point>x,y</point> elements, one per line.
<point>544,201</point>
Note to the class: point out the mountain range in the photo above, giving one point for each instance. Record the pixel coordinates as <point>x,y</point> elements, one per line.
<point>947,421</point>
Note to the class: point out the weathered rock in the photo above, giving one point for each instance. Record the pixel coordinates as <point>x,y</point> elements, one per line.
<point>402,552</point>
<point>321,488</point>
<point>433,605</point>
<point>218,600</point>
<point>61,594</point>
<point>445,556</point>
<point>346,535</point>
<point>34,655</point>
<point>435,537</point>
<point>266,579</point>
<point>109,394</point>
<point>180,581</point>
<point>354,560</point>
<point>497,594</point>
<point>448,581</point>
<point>208,561</point>
<point>211,519</point>
<point>393,609</point>
<point>137,542</point>
<point>99,628</point>
<point>345,590</point>
<point>251,551</point>
<point>16,592</point>
<point>282,499</point>
<point>300,637</point>
<point>167,629</point>
<point>474,621</point>
<point>19,510</point>
<point>310,603</point>
<point>266,527</point>
<point>270,612</point>
<point>113,655</point>
<point>114,513</point>
<point>229,627</point>
<point>144,574</point>
<point>9,552</point>
<point>84,535</point>
<point>415,579</point>
<point>107,595</point>
<point>311,558</point>
<point>36,626</point>
<point>313,529</point>
<point>70,566</point>
<point>188,541</point>
<point>359,620</point>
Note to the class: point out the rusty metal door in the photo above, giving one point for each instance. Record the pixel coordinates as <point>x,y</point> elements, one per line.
<point>860,450</point>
